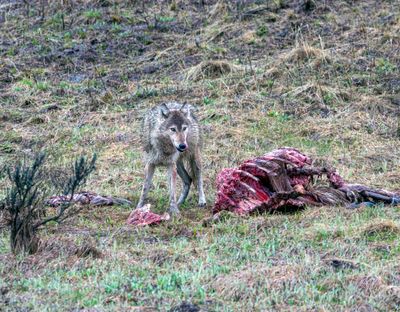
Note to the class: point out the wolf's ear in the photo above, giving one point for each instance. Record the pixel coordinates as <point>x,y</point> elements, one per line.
<point>164,110</point>
<point>184,109</point>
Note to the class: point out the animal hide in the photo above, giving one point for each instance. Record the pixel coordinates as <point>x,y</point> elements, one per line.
<point>87,198</point>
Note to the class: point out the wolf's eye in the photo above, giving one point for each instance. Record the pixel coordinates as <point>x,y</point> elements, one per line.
<point>172,129</point>
<point>184,128</point>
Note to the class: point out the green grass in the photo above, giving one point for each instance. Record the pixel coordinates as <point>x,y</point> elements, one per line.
<point>92,14</point>
<point>198,267</point>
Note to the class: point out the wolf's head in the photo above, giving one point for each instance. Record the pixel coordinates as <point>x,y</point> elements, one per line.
<point>176,125</point>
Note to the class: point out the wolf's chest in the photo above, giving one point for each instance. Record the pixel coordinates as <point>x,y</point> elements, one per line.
<point>160,157</point>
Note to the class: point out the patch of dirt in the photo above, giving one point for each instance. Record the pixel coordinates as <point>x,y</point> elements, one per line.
<point>368,284</point>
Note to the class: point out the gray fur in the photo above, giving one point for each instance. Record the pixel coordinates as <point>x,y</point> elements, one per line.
<point>163,130</point>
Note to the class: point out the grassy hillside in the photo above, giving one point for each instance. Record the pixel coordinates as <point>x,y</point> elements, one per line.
<point>322,76</point>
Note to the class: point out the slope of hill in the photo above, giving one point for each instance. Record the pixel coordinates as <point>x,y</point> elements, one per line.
<point>322,76</point>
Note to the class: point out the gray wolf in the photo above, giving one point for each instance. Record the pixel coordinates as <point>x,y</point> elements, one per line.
<point>171,137</point>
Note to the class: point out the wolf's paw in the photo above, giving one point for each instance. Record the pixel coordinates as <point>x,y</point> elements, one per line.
<point>202,204</point>
<point>140,205</point>
<point>173,211</point>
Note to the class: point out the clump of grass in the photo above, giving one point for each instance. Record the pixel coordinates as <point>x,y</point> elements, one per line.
<point>300,54</point>
<point>380,230</point>
<point>262,30</point>
<point>220,9</point>
<point>92,15</point>
<point>7,148</point>
<point>306,52</point>
<point>384,66</point>
<point>212,70</point>
<point>322,93</point>
<point>88,250</point>
<point>145,92</point>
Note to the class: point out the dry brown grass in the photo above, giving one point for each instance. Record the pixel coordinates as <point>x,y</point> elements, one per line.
<point>301,55</point>
<point>219,10</point>
<point>377,227</point>
<point>304,52</point>
<point>212,70</point>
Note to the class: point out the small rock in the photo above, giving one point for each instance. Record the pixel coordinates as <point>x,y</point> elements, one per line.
<point>186,307</point>
<point>338,263</point>
<point>48,108</point>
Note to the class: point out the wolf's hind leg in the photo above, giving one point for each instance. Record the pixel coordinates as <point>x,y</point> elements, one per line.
<point>187,180</point>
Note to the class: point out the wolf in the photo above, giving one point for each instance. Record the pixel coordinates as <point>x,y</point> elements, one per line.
<point>171,137</point>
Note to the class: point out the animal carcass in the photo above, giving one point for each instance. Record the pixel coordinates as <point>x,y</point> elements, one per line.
<point>284,178</point>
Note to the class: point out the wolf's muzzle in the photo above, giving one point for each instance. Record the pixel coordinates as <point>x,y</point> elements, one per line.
<point>181,148</point>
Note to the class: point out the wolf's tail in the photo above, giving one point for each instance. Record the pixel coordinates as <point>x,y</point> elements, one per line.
<point>191,169</point>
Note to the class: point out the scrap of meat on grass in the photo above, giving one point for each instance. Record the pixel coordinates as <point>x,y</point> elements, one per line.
<point>143,216</point>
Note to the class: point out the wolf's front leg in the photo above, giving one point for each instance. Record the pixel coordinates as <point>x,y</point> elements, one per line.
<point>148,172</point>
<point>173,207</point>
<point>199,175</point>
<point>202,197</point>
